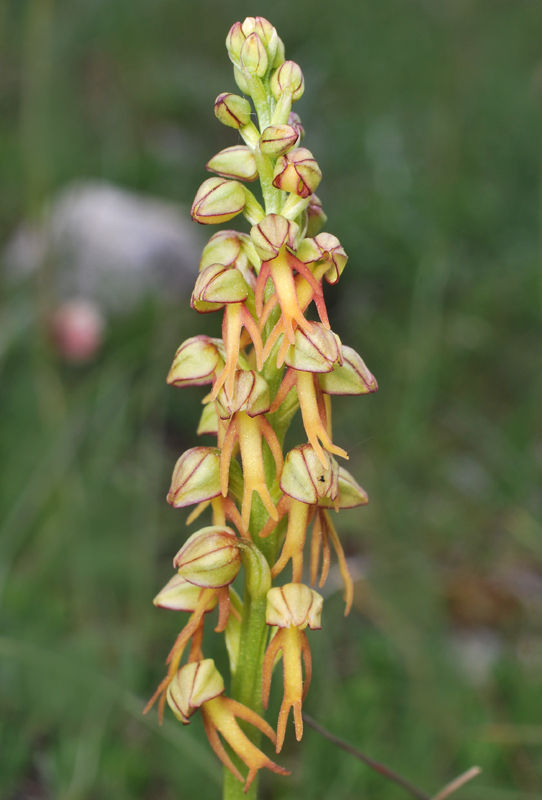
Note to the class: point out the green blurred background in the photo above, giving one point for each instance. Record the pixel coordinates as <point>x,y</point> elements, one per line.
<point>425,118</point>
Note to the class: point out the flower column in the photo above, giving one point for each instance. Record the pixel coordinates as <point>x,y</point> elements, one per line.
<point>271,361</point>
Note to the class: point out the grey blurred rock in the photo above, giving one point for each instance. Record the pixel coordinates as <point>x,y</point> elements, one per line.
<point>110,246</point>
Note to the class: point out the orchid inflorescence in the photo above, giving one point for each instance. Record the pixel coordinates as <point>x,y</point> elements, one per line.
<point>270,361</point>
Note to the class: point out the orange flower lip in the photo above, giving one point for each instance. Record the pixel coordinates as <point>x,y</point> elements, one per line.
<point>219,716</point>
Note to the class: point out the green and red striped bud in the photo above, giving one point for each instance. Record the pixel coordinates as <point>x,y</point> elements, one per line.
<point>234,162</point>
<point>276,140</point>
<point>297,172</point>
<point>209,558</point>
<point>196,477</point>
<point>218,200</point>
<point>232,110</point>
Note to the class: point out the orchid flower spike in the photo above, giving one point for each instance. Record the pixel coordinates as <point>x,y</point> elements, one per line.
<point>277,354</point>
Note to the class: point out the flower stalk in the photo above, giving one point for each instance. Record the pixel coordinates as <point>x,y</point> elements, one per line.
<point>272,361</point>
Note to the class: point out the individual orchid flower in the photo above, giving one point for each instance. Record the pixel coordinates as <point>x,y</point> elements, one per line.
<point>291,608</point>
<point>180,595</point>
<point>275,238</point>
<point>245,410</point>
<point>199,685</point>
<point>304,482</point>
<point>210,560</point>
<point>218,287</point>
<point>325,257</point>
<point>348,375</point>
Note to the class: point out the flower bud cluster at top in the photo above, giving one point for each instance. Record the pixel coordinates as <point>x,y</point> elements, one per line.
<point>271,360</point>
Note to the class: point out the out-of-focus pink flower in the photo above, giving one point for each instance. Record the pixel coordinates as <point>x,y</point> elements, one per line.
<point>77,329</point>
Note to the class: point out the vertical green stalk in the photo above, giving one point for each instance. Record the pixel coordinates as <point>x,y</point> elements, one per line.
<point>247,681</point>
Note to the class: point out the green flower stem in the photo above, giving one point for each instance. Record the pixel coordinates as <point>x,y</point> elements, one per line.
<point>272,197</point>
<point>247,681</point>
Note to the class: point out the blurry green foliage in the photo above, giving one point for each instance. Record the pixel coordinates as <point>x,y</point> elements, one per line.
<point>425,118</point>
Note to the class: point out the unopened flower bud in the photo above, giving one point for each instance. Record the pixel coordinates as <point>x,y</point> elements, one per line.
<point>317,350</point>
<point>316,219</point>
<point>250,394</point>
<point>194,684</point>
<point>352,377</point>
<point>235,41</point>
<point>217,200</point>
<point>216,286</point>
<point>305,479</point>
<point>272,233</point>
<point>268,36</point>
<point>234,162</point>
<point>196,361</point>
<point>254,56</point>
<point>294,605</point>
<point>288,78</point>
<point>276,140</point>
<point>350,493</point>
<point>196,477</point>
<point>261,26</point>
<point>180,595</point>
<point>209,558</point>
<point>294,121</point>
<point>232,110</point>
<point>224,247</point>
<point>228,248</point>
<point>297,172</point>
